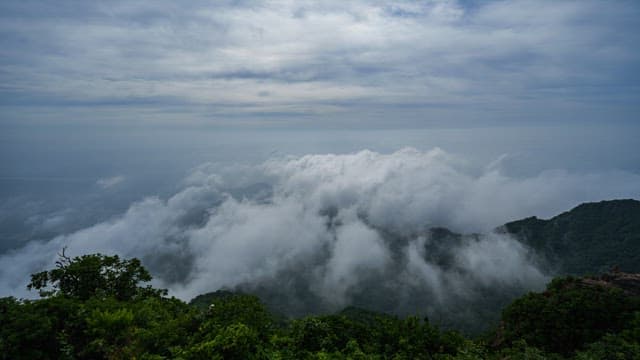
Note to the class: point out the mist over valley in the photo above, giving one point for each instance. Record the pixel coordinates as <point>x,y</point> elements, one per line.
<point>403,232</point>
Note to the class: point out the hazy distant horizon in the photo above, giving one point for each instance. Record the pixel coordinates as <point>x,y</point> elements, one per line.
<point>45,173</point>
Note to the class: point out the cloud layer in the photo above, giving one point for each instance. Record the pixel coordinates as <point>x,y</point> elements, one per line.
<point>319,232</point>
<point>296,62</point>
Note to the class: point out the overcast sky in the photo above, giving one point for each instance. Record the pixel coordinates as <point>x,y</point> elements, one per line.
<point>396,115</point>
<point>319,63</point>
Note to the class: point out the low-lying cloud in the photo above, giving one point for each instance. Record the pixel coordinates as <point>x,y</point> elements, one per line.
<point>320,232</point>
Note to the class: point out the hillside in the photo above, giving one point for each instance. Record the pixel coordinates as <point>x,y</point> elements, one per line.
<point>588,239</point>
<point>596,314</point>
<point>98,307</point>
<point>591,238</point>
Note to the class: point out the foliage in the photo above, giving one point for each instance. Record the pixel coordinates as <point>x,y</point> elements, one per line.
<point>94,275</point>
<point>204,301</point>
<point>568,316</point>
<point>621,346</point>
<point>373,333</point>
<point>119,320</point>
<point>233,326</point>
<point>592,238</point>
<point>25,332</point>
<point>611,347</point>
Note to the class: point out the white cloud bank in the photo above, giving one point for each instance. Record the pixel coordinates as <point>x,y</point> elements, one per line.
<point>342,225</point>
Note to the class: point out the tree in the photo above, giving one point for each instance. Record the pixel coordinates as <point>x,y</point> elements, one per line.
<point>94,275</point>
<point>234,326</point>
<point>26,331</point>
<point>569,315</point>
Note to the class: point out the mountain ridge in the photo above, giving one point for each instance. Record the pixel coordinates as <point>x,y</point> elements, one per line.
<point>439,248</point>
<point>590,238</point>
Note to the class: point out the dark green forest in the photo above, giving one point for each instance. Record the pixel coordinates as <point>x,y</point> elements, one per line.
<point>97,307</point>
<point>591,238</point>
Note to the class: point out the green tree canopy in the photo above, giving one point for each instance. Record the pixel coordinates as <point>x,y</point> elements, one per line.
<point>94,275</point>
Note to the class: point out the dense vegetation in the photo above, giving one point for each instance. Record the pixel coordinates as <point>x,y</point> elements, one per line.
<point>591,238</point>
<point>94,307</point>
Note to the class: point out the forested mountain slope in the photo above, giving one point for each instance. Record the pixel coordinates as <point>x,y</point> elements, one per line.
<point>589,239</point>
<point>97,307</point>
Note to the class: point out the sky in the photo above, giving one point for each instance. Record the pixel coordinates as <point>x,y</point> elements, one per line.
<point>329,64</point>
<point>233,143</point>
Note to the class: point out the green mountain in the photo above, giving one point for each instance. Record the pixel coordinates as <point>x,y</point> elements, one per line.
<point>589,239</point>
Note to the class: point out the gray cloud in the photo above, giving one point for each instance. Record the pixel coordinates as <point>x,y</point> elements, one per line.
<point>110,182</point>
<point>424,62</point>
<point>337,229</point>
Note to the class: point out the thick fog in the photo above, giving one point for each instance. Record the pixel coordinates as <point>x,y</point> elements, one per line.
<point>322,231</point>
